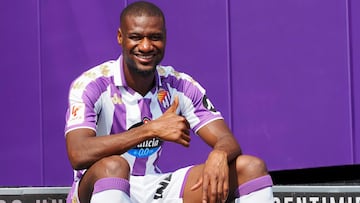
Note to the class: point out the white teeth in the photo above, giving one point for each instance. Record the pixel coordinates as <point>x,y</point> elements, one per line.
<point>145,56</point>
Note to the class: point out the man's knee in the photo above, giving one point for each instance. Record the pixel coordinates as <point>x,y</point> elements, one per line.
<point>250,166</point>
<point>112,166</point>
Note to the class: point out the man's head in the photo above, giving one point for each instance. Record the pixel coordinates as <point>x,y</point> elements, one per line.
<point>142,35</point>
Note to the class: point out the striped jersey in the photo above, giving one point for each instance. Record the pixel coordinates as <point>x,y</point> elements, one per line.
<point>101,100</point>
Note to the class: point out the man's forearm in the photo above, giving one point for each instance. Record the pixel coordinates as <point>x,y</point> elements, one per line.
<point>230,146</point>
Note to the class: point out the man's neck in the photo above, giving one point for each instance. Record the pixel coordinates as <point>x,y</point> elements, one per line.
<point>139,83</point>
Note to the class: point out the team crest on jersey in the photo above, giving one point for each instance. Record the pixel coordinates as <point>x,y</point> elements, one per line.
<point>207,104</point>
<point>77,114</point>
<point>146,148</point>
<point>164,97</point>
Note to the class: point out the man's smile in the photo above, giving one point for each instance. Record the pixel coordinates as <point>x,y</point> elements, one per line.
<point>145,58</point>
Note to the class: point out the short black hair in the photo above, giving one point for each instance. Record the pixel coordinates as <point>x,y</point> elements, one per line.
<point>140,8</point>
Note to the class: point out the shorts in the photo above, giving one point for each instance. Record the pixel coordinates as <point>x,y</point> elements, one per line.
<point>155,188</point>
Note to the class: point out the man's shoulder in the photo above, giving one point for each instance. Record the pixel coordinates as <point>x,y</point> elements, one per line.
<point>104,69</point>
<point>166,72</point>
<point>100,72</point>
<point>170,71</point>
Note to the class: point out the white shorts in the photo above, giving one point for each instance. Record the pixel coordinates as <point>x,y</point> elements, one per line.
<point>152,188</point>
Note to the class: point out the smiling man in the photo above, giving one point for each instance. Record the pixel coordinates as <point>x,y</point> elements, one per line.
<point>121,112</point>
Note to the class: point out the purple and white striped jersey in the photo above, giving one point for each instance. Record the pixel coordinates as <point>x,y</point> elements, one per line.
<point>101,100</point>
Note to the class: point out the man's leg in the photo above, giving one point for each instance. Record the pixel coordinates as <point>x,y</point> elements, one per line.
<point>106,181</point>
<point>248,181</point>
<point>254,182</point>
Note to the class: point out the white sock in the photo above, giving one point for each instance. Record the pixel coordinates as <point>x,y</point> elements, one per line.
<point>111,190</point>
<point>258,190</point>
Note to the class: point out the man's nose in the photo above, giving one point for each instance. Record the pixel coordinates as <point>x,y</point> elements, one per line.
<point>145,45</point>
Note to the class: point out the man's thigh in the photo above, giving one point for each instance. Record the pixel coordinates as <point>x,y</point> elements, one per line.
<point>195,174</point>
<point>166,187</point>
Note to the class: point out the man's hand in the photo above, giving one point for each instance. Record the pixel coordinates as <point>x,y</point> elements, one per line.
<point>215,180</point>
<point>172,127</point>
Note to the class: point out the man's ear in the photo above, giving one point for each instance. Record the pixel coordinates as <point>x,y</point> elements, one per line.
<point>119,36</point>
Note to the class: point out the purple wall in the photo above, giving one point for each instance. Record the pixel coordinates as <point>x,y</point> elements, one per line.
<point>291,74</point>
<point>354,72</point>
<point>285,76</point>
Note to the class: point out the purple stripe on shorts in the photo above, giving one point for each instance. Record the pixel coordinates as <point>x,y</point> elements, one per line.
<point>112,184</point>
<point>184,182</point>
<point>254,185</point>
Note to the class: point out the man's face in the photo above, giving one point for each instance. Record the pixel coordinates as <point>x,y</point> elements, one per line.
<point>143,40</point>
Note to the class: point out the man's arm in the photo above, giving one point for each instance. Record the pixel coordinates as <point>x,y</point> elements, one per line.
<point>215,180</point>
<point>219,137</point>
<point>85,148</point>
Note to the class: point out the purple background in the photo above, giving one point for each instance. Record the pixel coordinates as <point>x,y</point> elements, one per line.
<point>285,75</point>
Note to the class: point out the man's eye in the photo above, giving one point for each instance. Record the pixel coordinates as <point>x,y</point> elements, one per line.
<point>155,37</point>
<point>135,38</point>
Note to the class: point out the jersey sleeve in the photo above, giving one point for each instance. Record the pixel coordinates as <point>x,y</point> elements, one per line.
<point>81,111</point>
<point>195,105</point>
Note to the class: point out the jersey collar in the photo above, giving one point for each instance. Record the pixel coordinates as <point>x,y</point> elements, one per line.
<point>119,76</point>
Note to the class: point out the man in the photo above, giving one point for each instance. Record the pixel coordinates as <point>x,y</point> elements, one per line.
<point>121,112</point>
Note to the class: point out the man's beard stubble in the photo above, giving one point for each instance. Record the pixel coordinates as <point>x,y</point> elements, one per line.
<point>134,69</point>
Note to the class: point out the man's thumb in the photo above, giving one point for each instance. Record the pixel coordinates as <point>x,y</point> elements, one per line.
<point>174,105</point>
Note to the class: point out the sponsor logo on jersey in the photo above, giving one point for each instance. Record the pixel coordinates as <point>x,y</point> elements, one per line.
<point>207,104</point>
<point>146,148</point>
<point>77,113</point>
